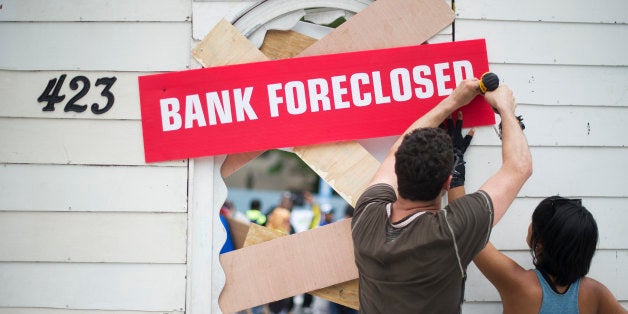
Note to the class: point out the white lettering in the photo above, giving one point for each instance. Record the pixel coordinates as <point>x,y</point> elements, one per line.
<point>215,106</point>
<point>400,84</point>
<point>377,89</point>
<point>243,103</point>
<point>299,106</point>
<point>273,99</point>
<point>193,111</point>
<point>170,117</point>
<point>459,66</point>
<point>318,91</point>
<point>441,78</point>
<point>339,91</point>
<point>356,80</point>
<point>417,74</point>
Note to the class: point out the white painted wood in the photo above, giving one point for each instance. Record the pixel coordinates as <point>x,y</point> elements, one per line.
<point>32,310</point>
<point>565,85</point>
<point>20,90</point>
<point>609,213</point>
<point>554,126</point>
<point>97,46</point>
<point>206,235</point>
<point>548,43</point>
<point>87,286</point>
<point>93,237</point>
<point>608,11</point>
<point>73,141</point>
<point>96,10</point>
<point>558,170</point>
<point>608,267</point>
<point>207,14</point>
<point>27,187</point>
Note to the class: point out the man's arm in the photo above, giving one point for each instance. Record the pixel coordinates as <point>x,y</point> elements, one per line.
<point>516,167</point>
<point>461,96</point>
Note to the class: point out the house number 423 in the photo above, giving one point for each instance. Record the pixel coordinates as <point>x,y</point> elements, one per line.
<point>51,96</point>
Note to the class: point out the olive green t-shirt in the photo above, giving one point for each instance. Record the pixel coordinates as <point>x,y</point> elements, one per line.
<point>419,264</point>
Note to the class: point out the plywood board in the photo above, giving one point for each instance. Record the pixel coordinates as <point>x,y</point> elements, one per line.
<point>345,293</point>
<point>91,286</point>
<point>284,44</point>
<point>29,187</point>
<point>373,27</point>
<point>73,141</point>
<point>536,43</point>
<point>96,46</point>
<point>96,10</point>
<point>328,249</point>
<point>73,237</point>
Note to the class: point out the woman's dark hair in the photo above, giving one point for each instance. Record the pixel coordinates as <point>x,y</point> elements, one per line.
<point>563,240</point>
<point>423,162</point>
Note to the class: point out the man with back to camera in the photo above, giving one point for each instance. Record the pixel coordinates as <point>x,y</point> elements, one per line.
<point>412,254</point>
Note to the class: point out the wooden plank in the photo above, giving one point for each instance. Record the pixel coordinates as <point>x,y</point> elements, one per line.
<point>25,187</point>
<point>347,166</point>
<point>20,90</point>
<point>96,10</point>
<point>258,234</point>
<point>93,286</point>
<point>73,141</point>
<point>93,237</point>
<point>557,170</point>
<point>239,230</point>
<point>328,249</point>
<point>548,43</point>
<point>345,293</point>
<point>545,84</point>
<point>613,11</point>
<point>608,267</point>
<point>510,233</point>
<point>284,44</point>
<point>97,46</point>
<point>370,29</point>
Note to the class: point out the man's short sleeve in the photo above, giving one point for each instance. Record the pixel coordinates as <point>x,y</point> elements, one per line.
<point>471,218</point>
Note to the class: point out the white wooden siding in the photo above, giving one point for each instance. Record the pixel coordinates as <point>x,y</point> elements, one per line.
<point>41,187</point>
<point>566,65</point>
<point>93,237</point>
<point>86,225</point>
<point>103,286</point>
<point>96,10</point>
<point>97,46</point>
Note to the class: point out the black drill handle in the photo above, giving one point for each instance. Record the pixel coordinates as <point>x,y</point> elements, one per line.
<point>489,82</point>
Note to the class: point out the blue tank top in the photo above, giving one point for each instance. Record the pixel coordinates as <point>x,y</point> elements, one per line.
<point>553,302</point>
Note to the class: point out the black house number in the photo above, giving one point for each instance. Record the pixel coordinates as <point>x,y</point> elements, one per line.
<point>51,96</point>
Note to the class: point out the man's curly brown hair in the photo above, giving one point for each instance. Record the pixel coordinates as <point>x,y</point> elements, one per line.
<point>423,163</point>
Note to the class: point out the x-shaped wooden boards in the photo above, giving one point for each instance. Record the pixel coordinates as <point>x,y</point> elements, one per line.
<point>321,257</point>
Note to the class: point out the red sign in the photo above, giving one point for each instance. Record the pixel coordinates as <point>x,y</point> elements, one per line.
<point>304,101</point>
